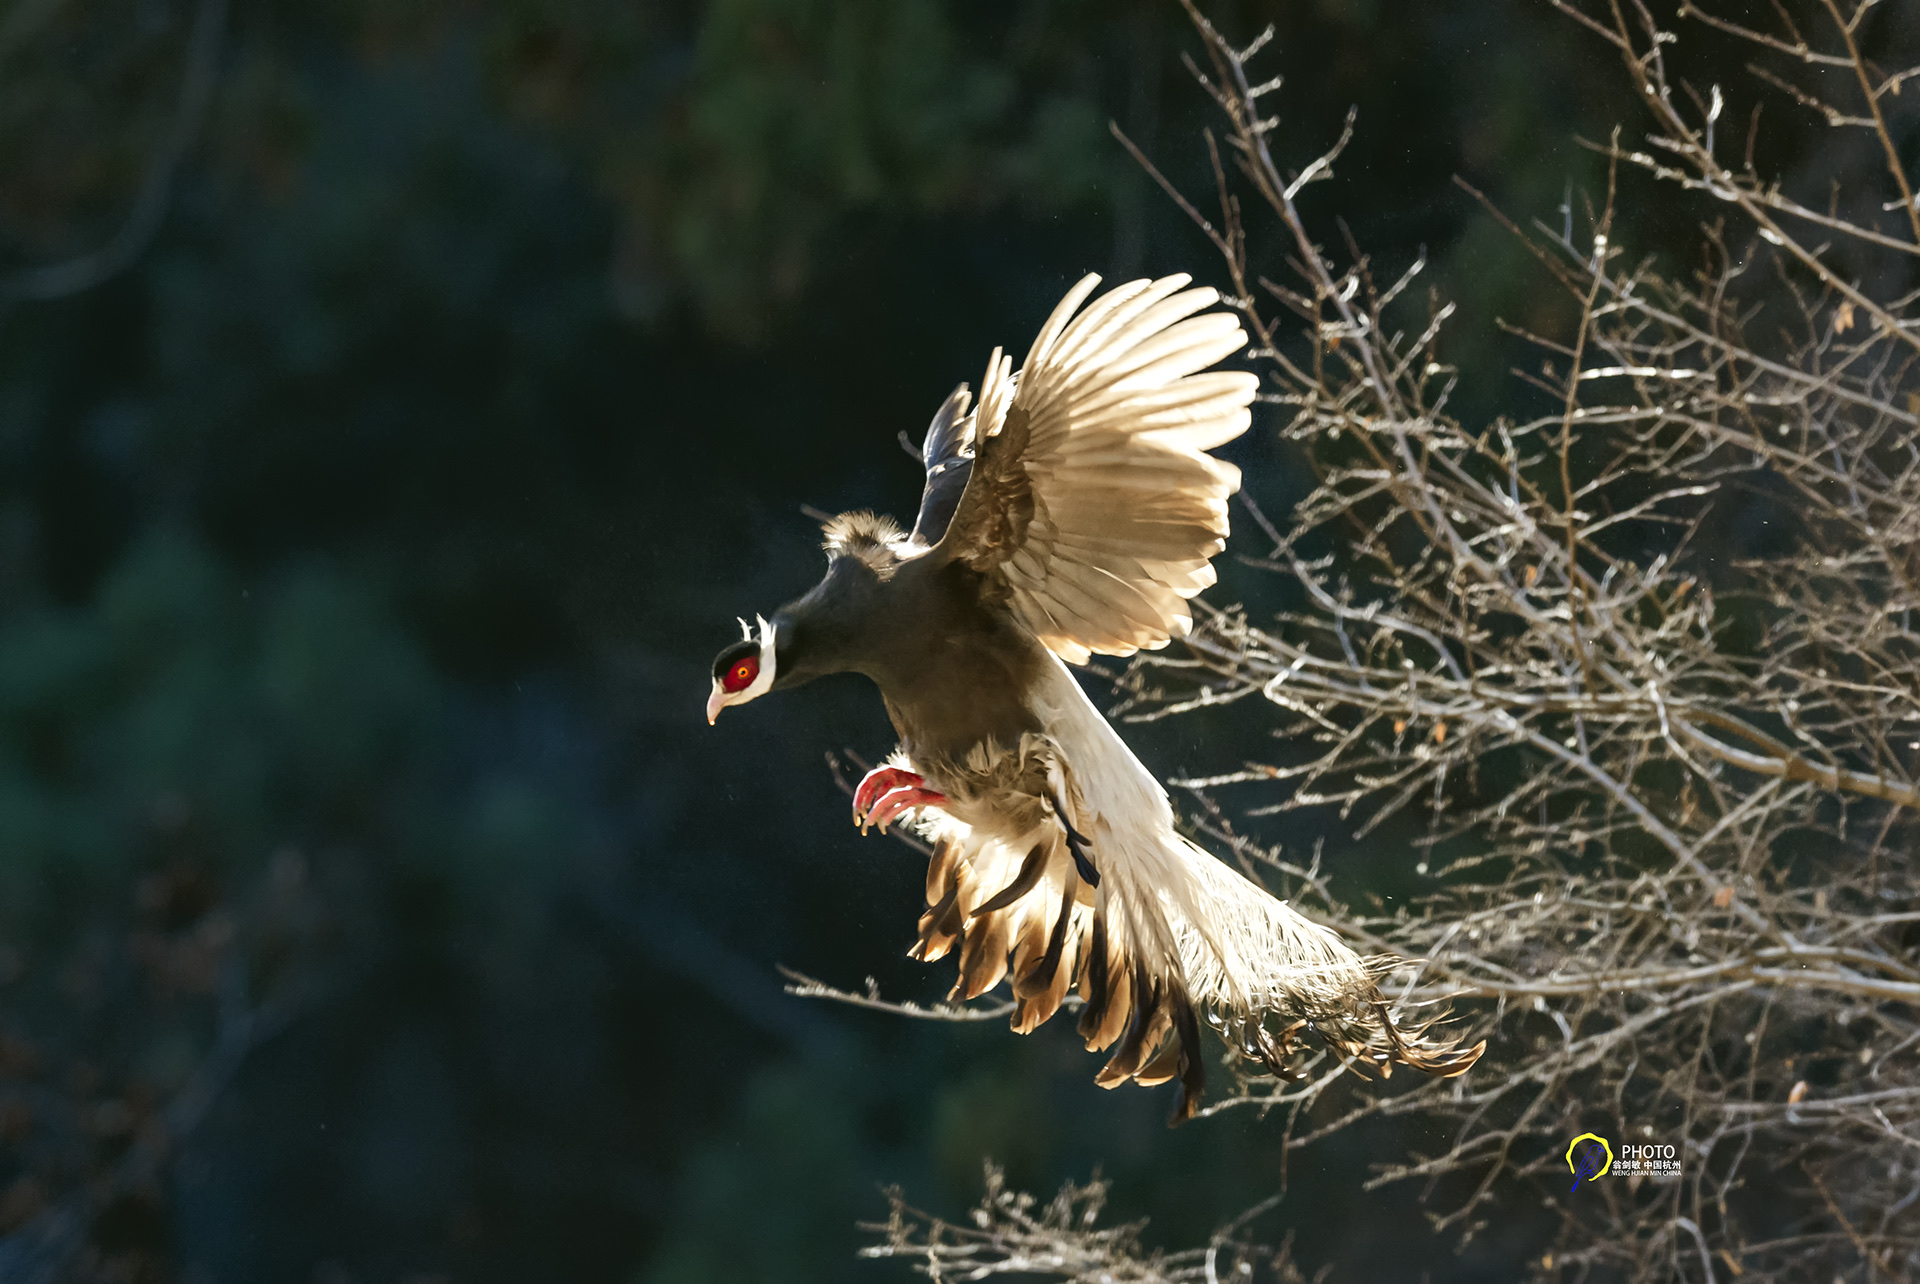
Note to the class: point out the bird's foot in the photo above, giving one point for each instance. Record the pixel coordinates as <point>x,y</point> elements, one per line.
<point>875,783</point>
<point>892,804</point>
<point>885,792</point>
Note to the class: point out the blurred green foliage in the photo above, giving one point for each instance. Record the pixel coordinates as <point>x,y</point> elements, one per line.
<point>177,698</point>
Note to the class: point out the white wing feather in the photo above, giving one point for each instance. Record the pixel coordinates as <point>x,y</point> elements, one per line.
<point>1128,507</point>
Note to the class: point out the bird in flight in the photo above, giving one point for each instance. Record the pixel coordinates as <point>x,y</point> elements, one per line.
<point>1071,511</point>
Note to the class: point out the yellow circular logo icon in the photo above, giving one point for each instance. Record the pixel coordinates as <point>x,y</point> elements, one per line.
<point>1588,1156</point>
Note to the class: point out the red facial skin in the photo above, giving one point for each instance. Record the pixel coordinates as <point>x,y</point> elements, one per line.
<point>741,675</point>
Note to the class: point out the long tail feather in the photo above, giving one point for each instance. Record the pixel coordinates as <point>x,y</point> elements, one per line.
<point>1260,973</point>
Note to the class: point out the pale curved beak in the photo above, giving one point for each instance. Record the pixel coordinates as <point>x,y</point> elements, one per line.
<point>715,703</point>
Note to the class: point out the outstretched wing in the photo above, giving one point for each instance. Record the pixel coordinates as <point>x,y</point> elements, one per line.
<point>1091,498</point>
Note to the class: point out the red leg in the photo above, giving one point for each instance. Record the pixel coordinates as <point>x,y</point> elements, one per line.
<point>904,799</point>
<point>877,782</point>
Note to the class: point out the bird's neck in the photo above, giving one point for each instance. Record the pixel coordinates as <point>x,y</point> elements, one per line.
<point>953,672</point>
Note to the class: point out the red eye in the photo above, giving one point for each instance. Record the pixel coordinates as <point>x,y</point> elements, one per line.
<point>741,675</point>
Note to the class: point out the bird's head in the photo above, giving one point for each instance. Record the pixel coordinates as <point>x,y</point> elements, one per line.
<point>829,629</point>
<point>745,670</point>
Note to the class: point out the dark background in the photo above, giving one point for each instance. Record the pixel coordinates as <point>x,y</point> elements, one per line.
<point>366,532</point>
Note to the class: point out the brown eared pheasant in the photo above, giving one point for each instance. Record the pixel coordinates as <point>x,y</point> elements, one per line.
<point>1071,511</point>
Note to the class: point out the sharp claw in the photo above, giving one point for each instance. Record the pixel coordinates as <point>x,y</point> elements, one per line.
<point>879,781</point>
<point>904,799</point>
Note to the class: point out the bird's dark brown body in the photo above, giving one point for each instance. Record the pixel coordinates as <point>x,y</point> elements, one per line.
<point>954,671</point>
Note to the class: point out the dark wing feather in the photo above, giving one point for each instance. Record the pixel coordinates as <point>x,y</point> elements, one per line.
<point>948,463</point>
